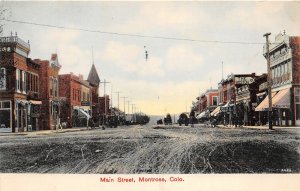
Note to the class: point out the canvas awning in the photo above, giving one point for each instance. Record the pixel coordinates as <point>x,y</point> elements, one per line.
<point>216,111</point>
<point>265,103</point>
<point>35,102</point>
<point>261,94</point>
<point>21,101</point>
<point>82,112</point>
<point>282,99</point>
<point>203,114</point>
<point>279,100</point>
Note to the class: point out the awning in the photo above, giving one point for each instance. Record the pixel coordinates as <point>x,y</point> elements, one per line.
<point>265,103</point>
<point>203,114</point>
<point>282,99</point>
<point>83,112</point>
<point>216,111</point>
<point>21,101</point>
<point>35,102</point>
<point>261,94</point>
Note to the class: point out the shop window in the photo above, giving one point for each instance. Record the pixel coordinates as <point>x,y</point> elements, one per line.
<point>2,78</point>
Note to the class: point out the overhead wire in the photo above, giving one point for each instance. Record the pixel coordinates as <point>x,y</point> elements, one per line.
<point>134,35</point>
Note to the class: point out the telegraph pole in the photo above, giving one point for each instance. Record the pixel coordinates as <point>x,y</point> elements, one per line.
<point>111,98</point>
<point>128,106</point>
<point>118,100</point>
<point>105,110</point>
<point>269,82</point>
<point>124,104</point>
<point>132,110</point>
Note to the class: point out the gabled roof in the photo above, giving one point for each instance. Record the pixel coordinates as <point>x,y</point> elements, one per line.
<point>93,77</point>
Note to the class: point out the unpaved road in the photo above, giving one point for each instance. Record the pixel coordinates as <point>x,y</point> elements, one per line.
<point>143,149</point>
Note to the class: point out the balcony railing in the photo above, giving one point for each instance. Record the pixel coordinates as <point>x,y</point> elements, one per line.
<point>14,39</point>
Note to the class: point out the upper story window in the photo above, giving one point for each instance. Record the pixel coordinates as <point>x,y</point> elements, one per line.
<point>2,78</point>
<point>18,80</point>
<point>51,86</point>
<point>24,82</point>
<point>215,100</point>
<point>56,88</point>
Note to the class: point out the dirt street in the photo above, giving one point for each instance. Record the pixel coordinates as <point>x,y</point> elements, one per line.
<point>146,149</point>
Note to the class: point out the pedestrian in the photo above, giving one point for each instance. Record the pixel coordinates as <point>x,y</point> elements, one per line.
<point>92,122</point>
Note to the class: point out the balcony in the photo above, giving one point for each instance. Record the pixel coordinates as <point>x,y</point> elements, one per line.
<point>14,39</point>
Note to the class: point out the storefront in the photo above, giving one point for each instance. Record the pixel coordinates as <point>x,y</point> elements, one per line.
<point>80,116</point>
<point>55,114</point>
<point>281,103</point>
<point>5,116</point>
<point>27,114</point>
<point>34,110</point>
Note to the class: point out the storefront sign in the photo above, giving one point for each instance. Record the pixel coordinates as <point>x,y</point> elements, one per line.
<point>85,103</point>
<point>243,80</point>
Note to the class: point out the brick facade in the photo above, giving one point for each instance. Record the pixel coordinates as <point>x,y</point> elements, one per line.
<point>49,92</point>
<point>72,87</point>
<point>19,95</point>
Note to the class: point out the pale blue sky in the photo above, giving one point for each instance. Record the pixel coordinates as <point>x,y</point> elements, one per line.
<point>176,70</point>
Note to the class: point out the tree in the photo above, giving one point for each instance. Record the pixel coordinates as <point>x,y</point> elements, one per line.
<point>3,16</point>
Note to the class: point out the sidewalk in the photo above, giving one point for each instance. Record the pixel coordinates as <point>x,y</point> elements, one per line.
<point>45,132</point>
<point>265,127</point>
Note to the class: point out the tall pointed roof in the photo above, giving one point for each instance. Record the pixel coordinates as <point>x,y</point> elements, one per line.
<point>93,77</point>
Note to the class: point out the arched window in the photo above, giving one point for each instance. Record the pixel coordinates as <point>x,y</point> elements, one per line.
<point>51,86</point>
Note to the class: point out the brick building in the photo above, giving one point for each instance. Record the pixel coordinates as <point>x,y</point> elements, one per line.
<point>247,99</point>
<point>207,102</point>
<point>227,97</point>
<point>49,92</point>
<point>285,74</point>
<point>19,91</point>
<point>77,91</point>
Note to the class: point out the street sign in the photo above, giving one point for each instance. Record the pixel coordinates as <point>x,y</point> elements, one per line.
<point>243,80</point>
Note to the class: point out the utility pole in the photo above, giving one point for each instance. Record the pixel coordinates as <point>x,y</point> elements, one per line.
<point>118,101</point>
<point>105,110</point>
<point>124,103</point>
<point>128,106</point>
<point>111,98</point>
<point>132,110</point>
<point>269,82</point>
